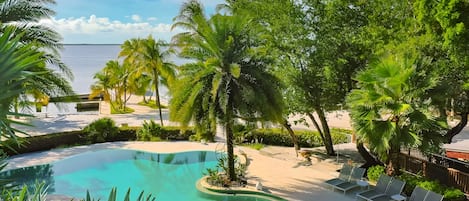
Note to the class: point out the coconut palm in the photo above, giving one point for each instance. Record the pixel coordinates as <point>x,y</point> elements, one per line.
<point>229,78</point>
<point>148,57</point>
<point>24,15</point>
<point>113,82</point>
<point>388,112</point>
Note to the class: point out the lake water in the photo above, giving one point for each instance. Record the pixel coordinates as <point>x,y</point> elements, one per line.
<point>86,60</point>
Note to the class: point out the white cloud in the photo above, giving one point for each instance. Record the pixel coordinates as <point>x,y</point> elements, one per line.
<point>136,18</point>
<point>152,19</point>
<point>205,3</point>
<point>103,30</point>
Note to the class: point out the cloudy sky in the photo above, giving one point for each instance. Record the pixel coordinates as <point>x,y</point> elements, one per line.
<point>114,21</point>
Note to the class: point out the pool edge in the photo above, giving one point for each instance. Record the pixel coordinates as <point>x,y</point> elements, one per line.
<point>203,187</point>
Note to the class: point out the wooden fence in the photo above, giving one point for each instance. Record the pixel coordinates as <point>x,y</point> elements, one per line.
<point>441,169</point>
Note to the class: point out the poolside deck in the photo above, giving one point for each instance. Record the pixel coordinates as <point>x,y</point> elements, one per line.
<point>277,168</point>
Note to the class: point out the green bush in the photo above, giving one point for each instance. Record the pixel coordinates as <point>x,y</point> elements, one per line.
<point>101,130</point>
<point>150,131</point>
<point>203,134</point>
<point>453,194</point>
<point>240,131</point>
<point>450,193</point>
<point>374,172</point>
<point>280,137</point>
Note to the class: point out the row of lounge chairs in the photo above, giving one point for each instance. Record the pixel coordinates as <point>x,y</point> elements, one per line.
<point>387,188</point>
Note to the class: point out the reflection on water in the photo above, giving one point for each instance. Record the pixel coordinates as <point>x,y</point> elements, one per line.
<point>30,175</point>
<point>165,175</point>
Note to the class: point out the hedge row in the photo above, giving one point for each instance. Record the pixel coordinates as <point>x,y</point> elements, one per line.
<point>74,138</point>
<point>280,137</point>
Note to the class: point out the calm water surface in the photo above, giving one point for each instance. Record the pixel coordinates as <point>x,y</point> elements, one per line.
<point>85,61</point>
<point>167,176</point>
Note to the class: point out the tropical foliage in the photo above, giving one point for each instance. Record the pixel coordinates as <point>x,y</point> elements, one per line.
<point>149,61</point>
<point>16,62</point>
<point>24,16</point>
<point>229,78</point>
<point>113,83</point>
<point>388,110</point>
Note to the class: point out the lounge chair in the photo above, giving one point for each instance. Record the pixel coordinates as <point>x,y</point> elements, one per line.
<point>432,196</point>
<point>344,175</point>
<point>395,188</point>
<point>357,174</point>
<point>380,189</point>
<point>418,194</point>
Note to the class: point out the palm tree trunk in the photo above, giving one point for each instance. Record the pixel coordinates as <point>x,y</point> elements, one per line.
<point>125,93</point>
<point>229,149</point>
<point>293,136</point>
<point>393,166</point>
<point>370,159</point>
<point>157,95</point>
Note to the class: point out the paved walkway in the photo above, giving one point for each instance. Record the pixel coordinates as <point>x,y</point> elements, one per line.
<point>277,168</point>
<point>68,122</point>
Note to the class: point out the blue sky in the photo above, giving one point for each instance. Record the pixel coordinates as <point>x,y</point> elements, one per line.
<point>114,21</point>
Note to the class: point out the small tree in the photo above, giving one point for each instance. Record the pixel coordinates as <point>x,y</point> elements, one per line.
<point>387,109</point>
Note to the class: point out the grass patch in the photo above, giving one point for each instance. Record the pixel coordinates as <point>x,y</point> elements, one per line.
<point>256,146</point>
<point>152,104</point>
<point>126,110</point>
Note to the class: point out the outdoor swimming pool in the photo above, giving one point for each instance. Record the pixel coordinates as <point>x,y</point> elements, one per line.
<point>166,176</point>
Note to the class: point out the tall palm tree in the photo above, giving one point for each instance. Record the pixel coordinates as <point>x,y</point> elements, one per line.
<point>24,15</point>
<point>113,82</point>
<point>229,78</point>
<point>388,112</point>
<point>149,57</point>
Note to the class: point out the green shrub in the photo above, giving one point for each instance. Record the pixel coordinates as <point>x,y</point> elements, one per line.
<point>256,146</point>
<point>453,194</point>
<point>101,130</point>
<point>450,193</point>
<point>374,172</point>
<point>150,131</point>
<point>280,137</point>
<point>207,136</point>
<point>240,131</point>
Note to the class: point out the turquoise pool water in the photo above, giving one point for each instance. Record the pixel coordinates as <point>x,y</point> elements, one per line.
<point>166,176</point>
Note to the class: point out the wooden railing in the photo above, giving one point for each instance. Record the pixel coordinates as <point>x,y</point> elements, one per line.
<point>438,169</point>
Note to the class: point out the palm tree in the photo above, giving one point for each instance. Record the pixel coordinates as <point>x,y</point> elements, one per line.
<point>148,57</point>
<point>388,112</point>
<point>15,64</point>
<point>113,83</point>
<point>229,78</point>
<point>24,15</point>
